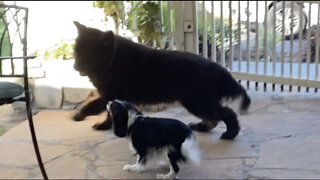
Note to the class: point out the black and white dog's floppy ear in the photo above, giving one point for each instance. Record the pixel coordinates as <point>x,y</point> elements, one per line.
<point>119,116</point>
<point>130,107</point>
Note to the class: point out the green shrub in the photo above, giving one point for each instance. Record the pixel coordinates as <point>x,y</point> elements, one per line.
<point>148,21</point>
<point>5,39</point>
<point>62,50</point>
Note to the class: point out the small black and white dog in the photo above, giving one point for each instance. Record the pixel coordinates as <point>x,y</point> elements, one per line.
<point>153,139</point>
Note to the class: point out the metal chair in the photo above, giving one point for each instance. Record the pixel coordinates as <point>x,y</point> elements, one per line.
<point>13,48</point>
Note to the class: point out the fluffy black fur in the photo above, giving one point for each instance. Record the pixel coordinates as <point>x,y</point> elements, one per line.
<point>122,69</point>
<point>149,134</point>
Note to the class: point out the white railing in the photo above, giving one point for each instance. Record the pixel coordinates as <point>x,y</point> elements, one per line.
<point>276,44</point>
<point>268,42</point>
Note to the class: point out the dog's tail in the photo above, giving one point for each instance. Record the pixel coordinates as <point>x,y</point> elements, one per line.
<point>232,89</point>
<point>245,102</point>
<point>245,99</point>
<point>190,150</point>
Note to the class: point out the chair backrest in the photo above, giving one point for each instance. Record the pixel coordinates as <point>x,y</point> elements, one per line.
<point>13,35</point>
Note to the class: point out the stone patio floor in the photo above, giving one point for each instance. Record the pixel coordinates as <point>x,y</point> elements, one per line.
<point>280,138</point>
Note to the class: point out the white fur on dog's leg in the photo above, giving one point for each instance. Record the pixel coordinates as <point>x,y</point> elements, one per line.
<point>164,164</point>
<point>137,167</point>
<point>127,167</point>
<point>133,151</point>
<point>170,175</point>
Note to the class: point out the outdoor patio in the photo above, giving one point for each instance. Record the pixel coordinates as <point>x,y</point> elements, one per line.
<point>280,138</point>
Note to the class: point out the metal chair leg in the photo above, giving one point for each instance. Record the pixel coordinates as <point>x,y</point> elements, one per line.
<point>30,118</point>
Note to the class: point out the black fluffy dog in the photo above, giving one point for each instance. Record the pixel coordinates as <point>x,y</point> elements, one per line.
<point>122,69</point>
<point>153,139</point>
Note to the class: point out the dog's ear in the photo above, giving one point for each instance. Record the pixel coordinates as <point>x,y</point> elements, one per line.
<point>79,26</point>
<point>129,106</point>
<point>120,119</point>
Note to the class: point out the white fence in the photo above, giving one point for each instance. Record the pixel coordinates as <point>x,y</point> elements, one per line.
<point>268,42</point>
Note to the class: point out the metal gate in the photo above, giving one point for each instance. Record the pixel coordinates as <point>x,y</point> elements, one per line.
<point>269,43</point>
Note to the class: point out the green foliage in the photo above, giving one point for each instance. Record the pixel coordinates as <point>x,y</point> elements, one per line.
<point>5,43</point>
<point>62,50</point>
<point>148,21</point>
<point>143,19</point>
<point>115,9</point>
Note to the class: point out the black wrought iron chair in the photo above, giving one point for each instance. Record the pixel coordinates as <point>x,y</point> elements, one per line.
<point>13,47</point>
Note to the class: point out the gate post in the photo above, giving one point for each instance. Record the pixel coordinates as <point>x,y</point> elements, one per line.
<point>185,31</point>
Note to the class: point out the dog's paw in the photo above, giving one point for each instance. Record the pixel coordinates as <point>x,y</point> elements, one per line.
<point>228,135</point>
<point>78,117</point>
<point>160,176</point>
<point>127,167</point>
<point>166,176</point>
<point>102,126</point>
<point>202,127</point>
<point>134,168</point>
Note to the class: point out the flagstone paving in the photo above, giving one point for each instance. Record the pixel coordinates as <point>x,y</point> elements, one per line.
<point>280,138</point>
